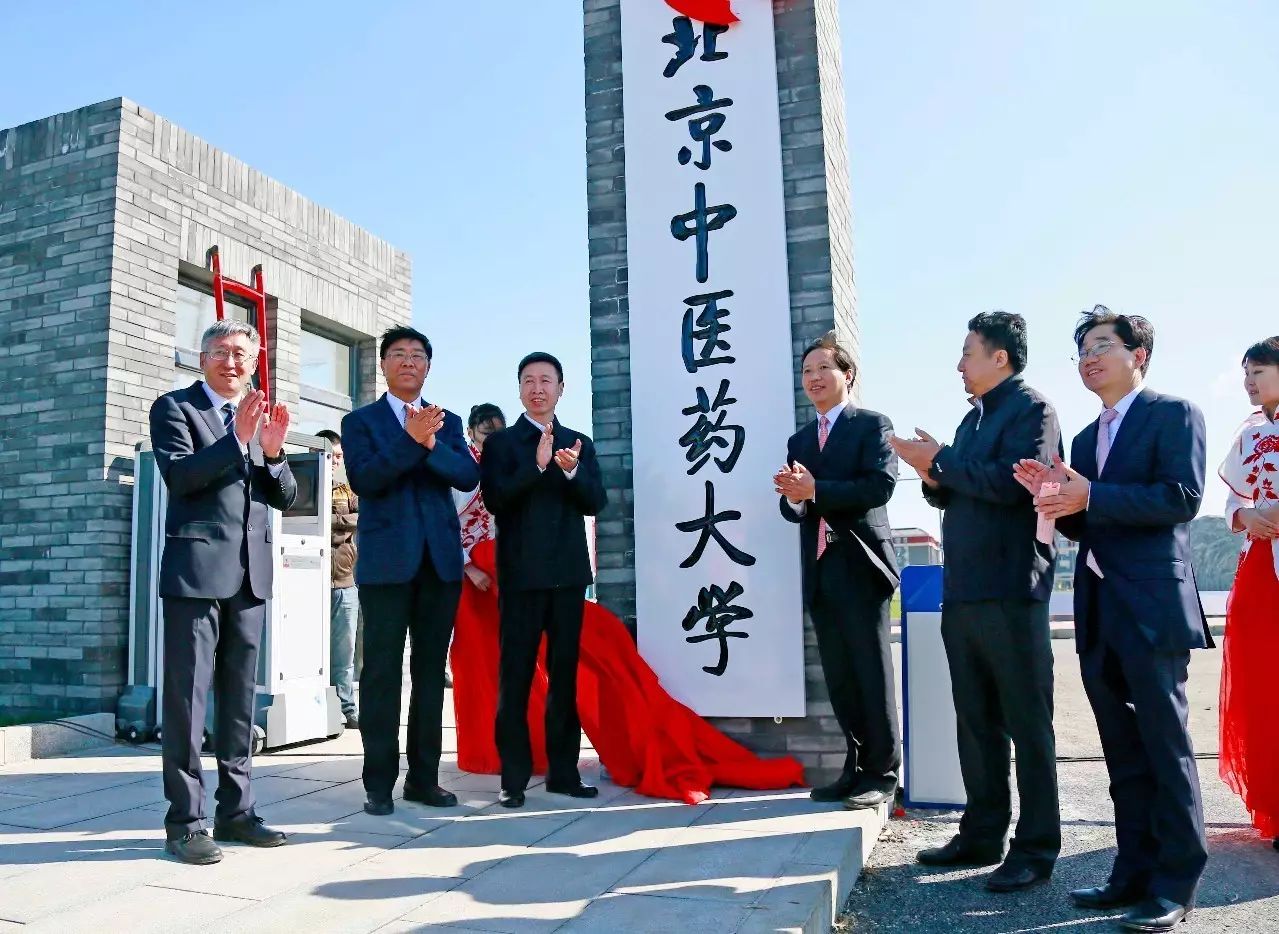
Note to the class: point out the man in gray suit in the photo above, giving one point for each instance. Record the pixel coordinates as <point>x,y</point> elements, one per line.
<point>219,447</point>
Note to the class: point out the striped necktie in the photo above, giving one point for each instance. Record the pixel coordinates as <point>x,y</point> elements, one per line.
<point>228,416</point>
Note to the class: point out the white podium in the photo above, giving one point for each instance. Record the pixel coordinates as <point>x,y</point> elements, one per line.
<point>932,776</point>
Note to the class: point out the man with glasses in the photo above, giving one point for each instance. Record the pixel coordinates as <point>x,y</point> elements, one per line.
<point>1135,483</point>
<point>998,578</point>
<point>404,456</point>
<point>220,449</point>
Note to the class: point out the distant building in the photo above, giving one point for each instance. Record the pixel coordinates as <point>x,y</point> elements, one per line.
<point>1067,556</point>
<point>915,546</point>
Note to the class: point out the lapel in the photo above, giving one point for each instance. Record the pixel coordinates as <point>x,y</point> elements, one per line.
<point>201,402</point>
<point>1134,421</point>
<point>384,417</point>
<point>1087,464</point>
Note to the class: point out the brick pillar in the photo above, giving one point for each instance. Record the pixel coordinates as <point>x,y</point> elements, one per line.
<point>822,297</point>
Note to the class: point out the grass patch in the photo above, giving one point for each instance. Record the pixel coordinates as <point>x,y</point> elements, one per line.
<point>24,719</point>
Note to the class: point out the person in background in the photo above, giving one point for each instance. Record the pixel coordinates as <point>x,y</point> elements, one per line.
<point>345,612</point>
<point>1249,728</point>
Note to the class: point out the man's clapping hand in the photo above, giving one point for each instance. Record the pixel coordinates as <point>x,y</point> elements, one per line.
<point>545,447</point>
<point>248,415</point>
<point>566,458</point>
<point>274,430</point>
<point>795,482</point>
<point>423,423</point>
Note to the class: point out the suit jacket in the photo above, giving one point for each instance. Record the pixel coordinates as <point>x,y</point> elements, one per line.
<point>1137,524</point>
<point>541,535</point>
<point>405,500</point>
<point>855,475</point>
<point>988,527</point>
<point>217,501</point>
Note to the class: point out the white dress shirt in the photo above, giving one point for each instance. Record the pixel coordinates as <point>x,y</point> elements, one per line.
<point>1121,409</point>
<point>832,416</point>
<point>398,406</point>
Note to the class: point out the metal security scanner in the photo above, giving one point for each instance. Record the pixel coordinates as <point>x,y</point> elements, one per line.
<point>295,702</point>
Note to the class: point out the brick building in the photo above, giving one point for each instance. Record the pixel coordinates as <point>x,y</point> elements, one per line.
<point>106,214</point>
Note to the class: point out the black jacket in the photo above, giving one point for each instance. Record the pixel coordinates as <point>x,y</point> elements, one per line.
<point>988,530</point>
<point>855,475</point>
<point>217,501</point>
<point>541,536</point>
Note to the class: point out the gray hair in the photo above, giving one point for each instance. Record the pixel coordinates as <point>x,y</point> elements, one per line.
<point>229,327</point>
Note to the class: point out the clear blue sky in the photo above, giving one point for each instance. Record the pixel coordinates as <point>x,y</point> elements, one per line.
<point>1031,156</point>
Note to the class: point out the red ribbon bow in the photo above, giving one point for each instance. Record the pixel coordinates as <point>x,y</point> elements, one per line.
<point>715,12</point>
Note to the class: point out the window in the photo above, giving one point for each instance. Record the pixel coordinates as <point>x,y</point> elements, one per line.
<point>195,312</point>
<point>327,382</point>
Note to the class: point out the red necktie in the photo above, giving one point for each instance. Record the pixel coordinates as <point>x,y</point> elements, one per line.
<point>823,432</point>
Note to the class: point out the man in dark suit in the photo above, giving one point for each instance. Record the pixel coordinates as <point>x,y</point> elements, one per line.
<point>840,473</point>
<point>403,458</point>
<point>220,452</point>
<point>539,479</point>
<point>1135,483</point>
<point>995,589</point>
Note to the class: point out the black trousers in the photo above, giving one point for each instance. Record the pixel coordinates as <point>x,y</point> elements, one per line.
<point>1001,675</point>
<point>525,615</point>
<point>849,605</point>
<point>1138,695</point>
<point>423,610</point>
<point>209,642</point>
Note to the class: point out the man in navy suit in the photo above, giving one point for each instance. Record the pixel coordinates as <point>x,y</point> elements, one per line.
<point>403,458</point>
<point>840,473</point>
<point>1135,482</point>
<point>221,454</point>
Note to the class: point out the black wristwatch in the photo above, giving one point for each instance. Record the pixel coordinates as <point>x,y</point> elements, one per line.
<point>274,460</point>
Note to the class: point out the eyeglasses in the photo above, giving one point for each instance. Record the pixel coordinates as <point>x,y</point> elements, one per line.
<point>1097,350</point>
<point>400,356</point>
<point>239,356</point>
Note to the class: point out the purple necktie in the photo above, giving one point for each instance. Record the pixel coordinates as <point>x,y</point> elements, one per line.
<point>1103,451</point>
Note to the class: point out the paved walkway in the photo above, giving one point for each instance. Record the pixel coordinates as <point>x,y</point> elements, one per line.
<point>81,849</point>
<point>1240,890</point>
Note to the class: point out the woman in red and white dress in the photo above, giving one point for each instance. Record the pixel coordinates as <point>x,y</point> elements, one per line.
<point>1249,724</point>
<point>645,738</point>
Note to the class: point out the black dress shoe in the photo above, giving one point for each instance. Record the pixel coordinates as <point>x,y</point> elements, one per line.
<point>435,796</point>
<point>869,797</point>
<point>577,790</point>
<point>194,848</point>
<point>511,799</point>
<point>379,807</point>
<point>959,853</point>
<point>837,790</point>
<point>250,829</point>
<point>1013,877</point>
<point>1155,914</point>
<point>352,721</point>
<point>1105,897</point>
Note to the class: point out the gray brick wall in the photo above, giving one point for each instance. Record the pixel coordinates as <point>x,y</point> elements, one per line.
<point>101,210</point>
<point>819,253</point>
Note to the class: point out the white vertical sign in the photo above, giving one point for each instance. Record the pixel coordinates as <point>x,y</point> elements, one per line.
<point>717,568</point>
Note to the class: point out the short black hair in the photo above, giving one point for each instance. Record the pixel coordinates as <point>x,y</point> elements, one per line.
<point>403,333</point>
<point>843,359</point>
<point>1263,353</point>
<point>1003,330</point>
<point>329,435</point>
<point>1134,330</point>
<point>540,356</point>
<point>484,412</point>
